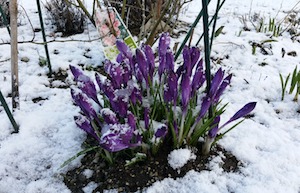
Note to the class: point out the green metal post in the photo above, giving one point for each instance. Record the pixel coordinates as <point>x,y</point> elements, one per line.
<point>44,37</point>
<point>9,114</point>
<point>206,48</point>
<point>189,33</point>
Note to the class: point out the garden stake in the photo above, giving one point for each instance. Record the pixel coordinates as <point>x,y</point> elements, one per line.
<point>44,38</point>
<point>189,33</point>
<point>4,19</point>
<point>206,49</point>
<point>215,23</point>
<point>210,22</point>
<point>10,116</point>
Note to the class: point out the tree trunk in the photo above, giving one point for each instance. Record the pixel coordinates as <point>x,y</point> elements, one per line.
<point>13,4</point>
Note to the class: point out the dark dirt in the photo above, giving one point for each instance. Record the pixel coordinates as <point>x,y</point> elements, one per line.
<point>140,175</point>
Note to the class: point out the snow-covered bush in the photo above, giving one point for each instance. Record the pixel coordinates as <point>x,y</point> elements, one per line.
<point>5,9</point>
<point>140,106</point>
<point>67,18</point>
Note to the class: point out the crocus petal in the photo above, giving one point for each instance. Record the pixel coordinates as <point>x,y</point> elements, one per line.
<point>245,110</point>
<point>147,117</point>
<point>76,72</point>
<point>109,116</point>
<point>222,88</point>
<point>215,83</point>
<point>169,61</point>
<point>85,125</point>
<point>161,131</point>
<point>120,106</point>
<point>142,64</point>
<point>195,54</point>
<point>206,102</point>
<point>185,91</point>
<point>187,63</point>
<point>124,49</point>
<point>150,59</point>
<point>199,78</point>
<point>170,92</point>
<point>214,130</point>
<point>164,43</point>
<point>131,121</point>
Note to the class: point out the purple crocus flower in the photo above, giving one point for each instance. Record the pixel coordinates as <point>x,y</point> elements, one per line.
<point>131,121</point>
<point>85,125</point>
<point>206,102</point>
<point>195,54</point>
<point>164,43</point>
<point>106,87</point>
<point>170,92</point>
<point>212,133</point>
<point>245,110</point>
<point>147,117</point>
<point>199,78</point>
<point>142,64</point>
<point>124,49</point>
<point>187,61</point>
<point>169,61</point>
<point>150,60</point>
<point>135,96</point>
<point>215,83</point>
<point>82,102</point>
<point>161,131</point>
<point>109,116</point>
<point>117,137</point>
<point>86,84</point>
<point>119,105</point>
<point>185,91</point>
<point>222,88</point>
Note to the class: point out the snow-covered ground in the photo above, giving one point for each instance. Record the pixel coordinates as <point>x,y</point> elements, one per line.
<point>267,144</point>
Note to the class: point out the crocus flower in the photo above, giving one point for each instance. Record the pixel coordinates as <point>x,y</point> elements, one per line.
<point>222,87</point>
<point>195,54</point>
<point>187,61</point>
<point>82,102</point>
<point>199,78</point>
<point>245,110</point>
<point>106,87</point>
<point>124,49</point>
<point>135,96</point>
<point>169,61</point>
<point>150,59</point>
<point>161,131</point>
<point>147,117</point>
<point>215,127</point>
<point>109,116</point>
<point>142,64</point>
<point>215,83</point>
<point>163,45</point>
<point>185,91</point>
<point>170,92</point>
<point>119,105</point>
<point>85,125</point>
<point>117,137</point>
<point>85,83</point>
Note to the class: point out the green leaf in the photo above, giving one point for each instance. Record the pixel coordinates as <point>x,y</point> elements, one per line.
<point>138,158</point>
<point>268,41</point>
<point>294,80</point>
<point>222,135</point>
<point>219,31</point>
<point>78,154</point>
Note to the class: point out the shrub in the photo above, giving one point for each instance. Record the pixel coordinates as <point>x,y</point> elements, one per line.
<point>141,106</point>
<point>67,18</point>
<point>5,8</point>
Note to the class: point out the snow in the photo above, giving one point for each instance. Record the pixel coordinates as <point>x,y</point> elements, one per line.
<point>266,144</point>
<point>179,157</point>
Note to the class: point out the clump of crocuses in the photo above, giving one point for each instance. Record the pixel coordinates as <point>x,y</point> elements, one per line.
<point>144,102</point>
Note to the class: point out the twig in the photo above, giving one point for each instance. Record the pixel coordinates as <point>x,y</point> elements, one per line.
<point>51,41</point>
<point>29,22</point>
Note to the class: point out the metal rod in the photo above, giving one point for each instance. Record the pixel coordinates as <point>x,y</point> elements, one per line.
<point>189,33</point>
<point>206,48</point>
<point>9,114</point>
<point>44,37</point>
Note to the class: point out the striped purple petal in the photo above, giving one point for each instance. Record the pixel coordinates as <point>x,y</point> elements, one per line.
<point>212,133</point>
